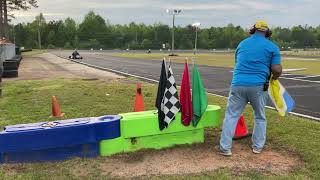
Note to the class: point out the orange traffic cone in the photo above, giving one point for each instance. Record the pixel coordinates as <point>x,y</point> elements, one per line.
<point>241,129</point>
<point>56,112</point>
<point>138,104</point>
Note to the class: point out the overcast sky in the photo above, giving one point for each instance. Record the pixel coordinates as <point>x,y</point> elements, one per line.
<point>285,13</point>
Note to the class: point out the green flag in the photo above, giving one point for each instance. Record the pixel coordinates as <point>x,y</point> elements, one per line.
<point>199,96</point>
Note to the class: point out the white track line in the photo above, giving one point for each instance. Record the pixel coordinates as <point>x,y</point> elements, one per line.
<point>152,80</point>
<point>294,70</point>
<point>114,71</point>
<point>284,74</point>
<point>303,77</point>
<point>304,80</point>
<point>300,59</point>
<point>296,78</point>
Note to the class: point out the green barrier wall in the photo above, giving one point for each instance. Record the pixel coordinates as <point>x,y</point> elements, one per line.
<point>140,130</point>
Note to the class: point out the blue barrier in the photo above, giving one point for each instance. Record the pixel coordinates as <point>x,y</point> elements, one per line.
<point>57,140</point>
<point>53,154</point>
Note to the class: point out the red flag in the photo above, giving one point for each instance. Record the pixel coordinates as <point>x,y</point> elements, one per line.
<point>185,98</point>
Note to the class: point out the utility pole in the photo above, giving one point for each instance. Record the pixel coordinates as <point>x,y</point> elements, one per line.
<point>173,12</point>
<point>172,38</point>
<point>39,35</point>
<point>1,20</point>
<point>196,25</point>
<point>5,19</point>
<point>14,35</point>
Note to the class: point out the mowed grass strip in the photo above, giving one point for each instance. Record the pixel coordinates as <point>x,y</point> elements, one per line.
<point>34,52</point>
<point>226,60</point>
<point>29,101</point>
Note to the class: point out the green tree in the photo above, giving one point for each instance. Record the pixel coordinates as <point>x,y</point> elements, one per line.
<point>162,35</point>
<point>95,32</point>
<point>146,44</point>
<point>303,36</point>
<point>92,28</point>
<point>60,36</point>
<point>76,41</point>
<point>6,8</point>
<point>51,38</point>
<point>67,45</point>
<point>70,30</point>
<point>94,43</point>
<point>203,38</point>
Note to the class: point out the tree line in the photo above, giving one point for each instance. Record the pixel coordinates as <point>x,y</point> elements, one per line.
<point>95,32</point>
<point>6,8</point>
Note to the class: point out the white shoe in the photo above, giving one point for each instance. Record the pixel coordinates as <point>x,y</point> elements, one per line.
<point>223,153</point>
<point>256,151</point>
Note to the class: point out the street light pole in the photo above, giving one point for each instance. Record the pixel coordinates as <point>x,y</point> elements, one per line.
<point>14,35</point>
<point>195,42</point>
<point>39,35</point>
<point>172,39</point>
<point>173,12</point>
<point>196,25</point>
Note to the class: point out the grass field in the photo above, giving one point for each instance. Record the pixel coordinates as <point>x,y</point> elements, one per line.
<point>302,53</point>
<point>227,60</point>
<point>29,101</point>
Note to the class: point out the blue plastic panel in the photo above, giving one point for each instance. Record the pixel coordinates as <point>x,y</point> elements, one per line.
<point>54,154</point>
<point>48,135</point>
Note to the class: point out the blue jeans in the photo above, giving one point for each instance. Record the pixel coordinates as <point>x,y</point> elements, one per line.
<point>239,96</point>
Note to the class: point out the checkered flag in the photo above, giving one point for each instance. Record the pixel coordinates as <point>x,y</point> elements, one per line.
<point>170,103</point>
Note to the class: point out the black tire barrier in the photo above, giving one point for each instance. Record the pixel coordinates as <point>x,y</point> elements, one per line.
<point>26,50</point>
<point>16,58</point>
<point>18,52</point>
<point>10,65</point>
<point>11,68</point>
<point>10,74</point>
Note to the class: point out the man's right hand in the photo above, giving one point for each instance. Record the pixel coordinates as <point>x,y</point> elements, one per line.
<point>276,70</point>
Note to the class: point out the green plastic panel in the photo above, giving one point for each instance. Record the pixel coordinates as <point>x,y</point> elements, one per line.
<point>140,130</point>
<point>118,145</point>
<point>136,124</point>
<point>111,146</point>
<point>212,117</point>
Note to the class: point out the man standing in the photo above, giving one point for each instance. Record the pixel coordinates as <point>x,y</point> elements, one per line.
<point>255,58</point>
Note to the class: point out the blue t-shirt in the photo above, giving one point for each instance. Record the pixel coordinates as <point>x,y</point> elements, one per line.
<point>253,57</point>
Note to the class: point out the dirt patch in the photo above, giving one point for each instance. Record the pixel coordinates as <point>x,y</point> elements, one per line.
<point>196,159</point>
<point>49,66</point>
<point>199,158</point>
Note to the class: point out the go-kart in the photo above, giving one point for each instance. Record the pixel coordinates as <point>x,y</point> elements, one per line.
<point>75,57</point>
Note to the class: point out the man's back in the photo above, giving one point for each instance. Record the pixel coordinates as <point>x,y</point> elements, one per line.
<point>75,53</point>
<point>254,57</point>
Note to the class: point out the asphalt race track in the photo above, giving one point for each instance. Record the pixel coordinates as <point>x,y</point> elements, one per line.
<point>304,89</point>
